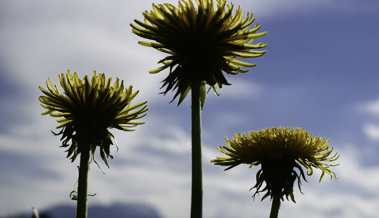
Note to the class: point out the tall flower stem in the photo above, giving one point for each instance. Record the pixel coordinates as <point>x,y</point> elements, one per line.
<point>81,211</point>
<point>197,167</point>
<point>275,207</point>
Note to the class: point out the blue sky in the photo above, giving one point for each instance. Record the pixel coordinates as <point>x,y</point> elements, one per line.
<point>320,73</point>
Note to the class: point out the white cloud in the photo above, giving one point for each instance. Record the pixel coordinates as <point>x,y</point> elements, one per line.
<point>264,8</point>
<point>371,131</point>
<point>241,89</point>
<point>354,194</point>
<point>371,107</point>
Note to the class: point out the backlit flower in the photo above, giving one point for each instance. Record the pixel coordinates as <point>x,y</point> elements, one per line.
<point>87,109</point>
<point>279,151</point>
<point>202,43</point>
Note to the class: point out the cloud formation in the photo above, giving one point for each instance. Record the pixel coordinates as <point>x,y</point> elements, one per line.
<point>290,86</point>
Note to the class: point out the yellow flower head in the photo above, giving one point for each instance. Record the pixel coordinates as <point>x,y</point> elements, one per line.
<point>279,151</point>
<point>201,43</point>
<point>88,108</point>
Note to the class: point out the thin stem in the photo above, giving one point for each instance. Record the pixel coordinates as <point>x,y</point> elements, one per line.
<point>275,207</point>
<point>81,211</point>
<point>197,168</point>
<point>35,213</point>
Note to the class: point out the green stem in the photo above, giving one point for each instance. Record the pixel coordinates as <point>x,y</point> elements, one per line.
<point>81,211</point>
<point>275,207</point>
<point>197,168</point>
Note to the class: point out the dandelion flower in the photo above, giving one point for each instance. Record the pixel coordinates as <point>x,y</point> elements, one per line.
<point>279,151</point>
<point>201,42</point>
<point>87,109</point>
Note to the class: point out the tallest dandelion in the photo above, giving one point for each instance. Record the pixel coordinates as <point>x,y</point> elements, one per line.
<point>202,44</point>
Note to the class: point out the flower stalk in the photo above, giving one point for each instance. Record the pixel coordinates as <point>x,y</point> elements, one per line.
<point>197,166</point>
<point>81,211</point>
<point>275,206</point>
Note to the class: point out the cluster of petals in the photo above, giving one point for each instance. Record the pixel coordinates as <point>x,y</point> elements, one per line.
<point>87,108</point>
<point>278,150</point>
<point>202,42</point>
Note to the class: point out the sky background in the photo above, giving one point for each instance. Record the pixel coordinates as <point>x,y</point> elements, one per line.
<point>320,73</point>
